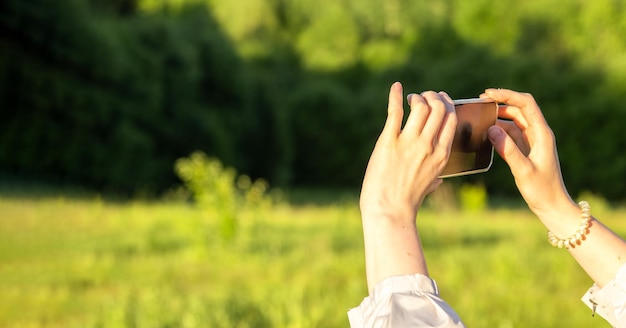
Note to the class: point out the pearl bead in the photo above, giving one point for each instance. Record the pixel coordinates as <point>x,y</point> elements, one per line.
<point>578,236</point>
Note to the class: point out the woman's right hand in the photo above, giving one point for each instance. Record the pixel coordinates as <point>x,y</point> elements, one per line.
<point>527,144</point>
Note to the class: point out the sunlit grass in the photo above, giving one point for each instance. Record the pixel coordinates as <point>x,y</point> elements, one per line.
<point>68,262</point>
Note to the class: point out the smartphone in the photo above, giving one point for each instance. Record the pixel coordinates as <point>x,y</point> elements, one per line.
<point>471,150</point>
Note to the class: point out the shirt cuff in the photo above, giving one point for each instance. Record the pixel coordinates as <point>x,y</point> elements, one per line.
<point>610,300</point>
<point>401,301</point>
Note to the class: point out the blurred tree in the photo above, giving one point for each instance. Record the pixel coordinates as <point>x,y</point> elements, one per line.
<point>110,93</point>
<point>113,102</point>
<point>121,7</point>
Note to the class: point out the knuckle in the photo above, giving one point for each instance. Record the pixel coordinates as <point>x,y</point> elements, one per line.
<point>429,94</point>
<point>528,97</point>
<point>439,106</point>
<point>427,147</point>
<point>433,98</point>
<point>508,150</point>
<point>419,105</point>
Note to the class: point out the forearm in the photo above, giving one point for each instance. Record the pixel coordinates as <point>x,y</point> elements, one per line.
<point>402,170</point>
<point>392,247</point>
<point>601,253</point>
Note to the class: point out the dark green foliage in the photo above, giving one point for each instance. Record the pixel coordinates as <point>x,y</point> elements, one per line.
<point>108,94</point>
<point>113,102</point>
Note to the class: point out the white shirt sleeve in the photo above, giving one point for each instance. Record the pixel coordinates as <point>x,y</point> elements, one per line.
<point>404,301</point>
<point>610,300</point>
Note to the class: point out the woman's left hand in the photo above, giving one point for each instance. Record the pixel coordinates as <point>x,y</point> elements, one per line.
<point>406,162</point>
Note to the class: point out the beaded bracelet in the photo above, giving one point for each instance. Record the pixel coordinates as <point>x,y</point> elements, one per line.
<point>577,237</point>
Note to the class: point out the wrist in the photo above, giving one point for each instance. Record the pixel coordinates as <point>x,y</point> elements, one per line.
<point>388,215</point>
<point>562,220</point>
<point>552,208</point>
<point>392,246</point>
<point>574,239</point>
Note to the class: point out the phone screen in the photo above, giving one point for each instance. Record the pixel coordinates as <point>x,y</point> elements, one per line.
<point>471,150</point>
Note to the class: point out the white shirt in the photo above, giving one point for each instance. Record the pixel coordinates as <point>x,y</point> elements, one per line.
<point>404,301</point>
<point>413,301</point>
<point>610,300</point>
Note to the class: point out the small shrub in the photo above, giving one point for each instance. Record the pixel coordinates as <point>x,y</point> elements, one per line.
<point>219,191</point>
<point>473,197</point>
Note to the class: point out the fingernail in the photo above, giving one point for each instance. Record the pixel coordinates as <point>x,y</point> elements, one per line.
<point>408,97</point>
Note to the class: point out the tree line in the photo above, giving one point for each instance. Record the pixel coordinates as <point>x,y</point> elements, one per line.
<point>108,94</point>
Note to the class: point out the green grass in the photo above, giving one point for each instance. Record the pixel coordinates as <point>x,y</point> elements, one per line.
<point>72,262</point>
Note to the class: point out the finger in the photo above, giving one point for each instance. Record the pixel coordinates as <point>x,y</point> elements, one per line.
<point>508,150</point>
<point>395,111</point>
<point>510,127</point>
<point>446,97</point>
<point>417,118</point>
<point>516,134</point>
<point>523,101</point>
<point>450,121</point>
<point>531,132</point>
<point>448,129</point>
<point>408,98</point>
<point>512,113</point>
<point>435,119</point>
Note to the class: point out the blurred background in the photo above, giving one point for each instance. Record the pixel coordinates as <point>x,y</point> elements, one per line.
<point>107,94</point>
<point>197,163</point>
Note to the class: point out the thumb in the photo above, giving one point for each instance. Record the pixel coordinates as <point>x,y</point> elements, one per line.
<point>508,150</point>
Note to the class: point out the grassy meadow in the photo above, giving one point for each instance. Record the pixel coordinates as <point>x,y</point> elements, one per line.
<point>87,262</point>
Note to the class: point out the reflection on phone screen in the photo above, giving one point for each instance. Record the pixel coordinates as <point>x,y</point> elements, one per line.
<point>471,150</point>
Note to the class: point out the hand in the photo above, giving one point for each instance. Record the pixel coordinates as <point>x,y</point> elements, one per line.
<point>528,146</point>
<point>405,163</point>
